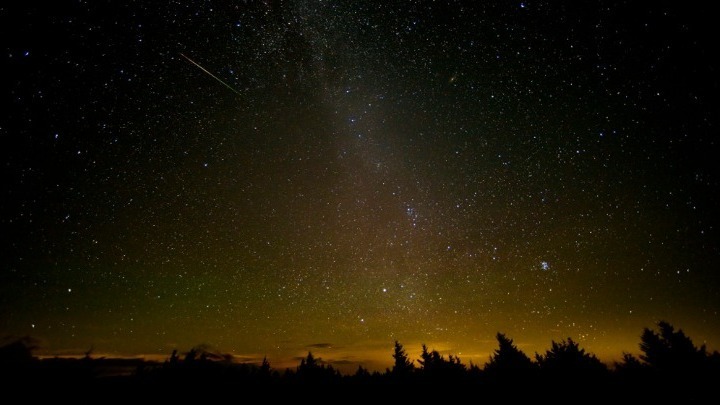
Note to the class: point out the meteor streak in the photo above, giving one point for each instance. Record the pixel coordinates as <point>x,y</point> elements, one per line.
<point>211,75</point>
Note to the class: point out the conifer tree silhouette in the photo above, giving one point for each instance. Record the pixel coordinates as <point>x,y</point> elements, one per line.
<point>403,365</point>
<point>566,357</point>
<point>670,350</point>
<point>434,365</point>
<point>508,358</point>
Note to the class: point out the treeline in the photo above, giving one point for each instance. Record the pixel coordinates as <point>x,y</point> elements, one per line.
<point>668,359</point>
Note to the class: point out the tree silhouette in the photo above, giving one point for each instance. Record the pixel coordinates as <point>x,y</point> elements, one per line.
<point>670,350</point>
<point>508,358</point>
<point>429,361</point>
<point>174,358</point>
<point>191,356</point>
<point>264,369</point>
<point>433,364</point>
<point>309,362</point>
<point>17,352</point>
<point>629,364</point>
<point>310,369</point>
<point>403,365</point>
<point>668,360</point>
<point>566,357</point>
<point>362,373</point>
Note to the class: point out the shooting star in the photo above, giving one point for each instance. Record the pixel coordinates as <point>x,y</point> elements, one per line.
<point>211,75</point>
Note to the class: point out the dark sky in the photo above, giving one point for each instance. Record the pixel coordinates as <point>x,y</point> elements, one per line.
<point>269,177</point>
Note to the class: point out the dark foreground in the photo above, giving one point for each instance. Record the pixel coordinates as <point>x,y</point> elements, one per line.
<point>670,367</point>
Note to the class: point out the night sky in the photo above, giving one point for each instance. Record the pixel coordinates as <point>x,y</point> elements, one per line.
<point>272,177</point>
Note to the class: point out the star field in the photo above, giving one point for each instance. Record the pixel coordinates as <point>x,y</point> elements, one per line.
<point>262,176</point>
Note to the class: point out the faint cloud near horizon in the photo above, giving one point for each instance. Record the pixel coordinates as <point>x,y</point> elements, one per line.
<point>320,346</point>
